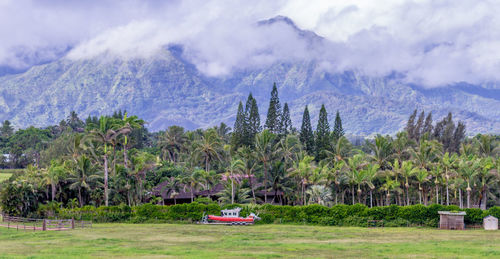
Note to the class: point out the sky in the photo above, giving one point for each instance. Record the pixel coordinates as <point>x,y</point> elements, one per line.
<point>432,43</point>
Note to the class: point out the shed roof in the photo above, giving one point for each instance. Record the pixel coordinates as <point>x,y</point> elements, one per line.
<point>459,213</point>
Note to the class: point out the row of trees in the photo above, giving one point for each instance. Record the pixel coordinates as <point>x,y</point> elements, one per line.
<point>114,160</point>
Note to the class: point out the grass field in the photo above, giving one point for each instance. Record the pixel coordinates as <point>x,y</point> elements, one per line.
<point>4,176</point>
<point>6,173</point>
<point>261,241</point>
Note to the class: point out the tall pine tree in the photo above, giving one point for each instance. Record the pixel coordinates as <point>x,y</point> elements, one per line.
<point>322,133</point>
<point>338,131</point>
<point>239,128</point>
<point>410,125</point>
<point>286,122</point>
<point>306,133</point>
<point>428,125</point>
<point>274,112</point>
<point>419,126</point>
<point>252,121</point>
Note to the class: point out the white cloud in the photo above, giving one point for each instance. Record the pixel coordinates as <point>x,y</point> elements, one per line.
<point>432,42</point>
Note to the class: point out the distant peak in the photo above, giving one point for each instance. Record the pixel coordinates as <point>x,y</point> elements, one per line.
<point>279,18</point>
<point>309,35</point>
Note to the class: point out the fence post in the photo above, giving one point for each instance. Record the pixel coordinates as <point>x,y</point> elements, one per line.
<point>44,227</point>
<point>72,223</point>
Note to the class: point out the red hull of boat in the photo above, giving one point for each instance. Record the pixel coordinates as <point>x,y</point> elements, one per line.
<point>229,219</point>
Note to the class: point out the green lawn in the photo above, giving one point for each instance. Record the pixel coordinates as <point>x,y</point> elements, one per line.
<point>4,176</point>
<point>6,173</point>
<point>261,241</point>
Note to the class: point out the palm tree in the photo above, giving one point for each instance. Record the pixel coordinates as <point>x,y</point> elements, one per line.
<point>407,171</point>
<point>302,171</point>
<point>468,167</point>
<point>319,194</point>
<point>132,122</point>
<point>288,149</point>
<point>334,176</point>
<point>389,186</point>
<point>236,194</point>
<point>172,142</point>
<point>358,178</point>
<point>279,179</point>
<point>106,135</point>
<point>354,164</point>
<point>402,145</point>
<point>208,148</point>
<point>340,150</point>
<point>192,181</point>
<point>381,150</point>
<point>264,149</point>
<point>486,145</point>
<point>141,163</point>
<point>83,174</point>
<point>250,165</point>
<point>437,173</point>
<point>76,146</point>
<point>449,163</point>
<point>421,175</point>
<point>370,173</point>
<point>426,153</point>
<point>235,166</point>
<point>53,175</point>
<point>488,179</point>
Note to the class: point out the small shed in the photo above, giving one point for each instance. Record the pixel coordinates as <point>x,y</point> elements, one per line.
<point>490,223</point>
<point>451,220</point>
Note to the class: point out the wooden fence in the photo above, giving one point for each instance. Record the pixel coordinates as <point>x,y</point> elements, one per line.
<point>20,223</point>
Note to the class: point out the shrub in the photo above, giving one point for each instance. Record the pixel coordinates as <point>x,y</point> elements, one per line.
<point>338,215</point>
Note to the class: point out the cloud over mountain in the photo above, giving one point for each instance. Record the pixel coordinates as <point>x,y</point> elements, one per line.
<point>431,43</point>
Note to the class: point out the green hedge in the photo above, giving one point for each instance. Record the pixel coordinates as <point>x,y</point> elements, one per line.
<point>338,215</point>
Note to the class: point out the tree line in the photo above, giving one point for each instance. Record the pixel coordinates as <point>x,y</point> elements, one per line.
<point>111,160</point>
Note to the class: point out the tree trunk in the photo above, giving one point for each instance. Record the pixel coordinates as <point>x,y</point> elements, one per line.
<point>207,165</point>
<point>53,187</point>
<point>106,180</point>
<point>437,194</point>
<point>232,191</point>
<point>251,187</point>
<point>359,194</point>
<point>447,194</point>
<point>125,156</point>
<point>304,194</point>
<point>483,200</point>
<point>128,197</point>
<point>468,198</point>
<point>80,197</point>
<point>265,182</point>
<point>424,196</point>
<point>407,195</point>
<point>113,166</point>
<point>460,198</point>
<point>352,193</point>
<point>371,198</point>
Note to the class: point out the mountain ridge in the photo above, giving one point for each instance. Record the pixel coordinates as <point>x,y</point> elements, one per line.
<point>167,89</point>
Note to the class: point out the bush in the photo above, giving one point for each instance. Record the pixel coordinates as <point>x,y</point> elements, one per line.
<point>399,222</point>
<point>474,216</point>
<point>338,215</point>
